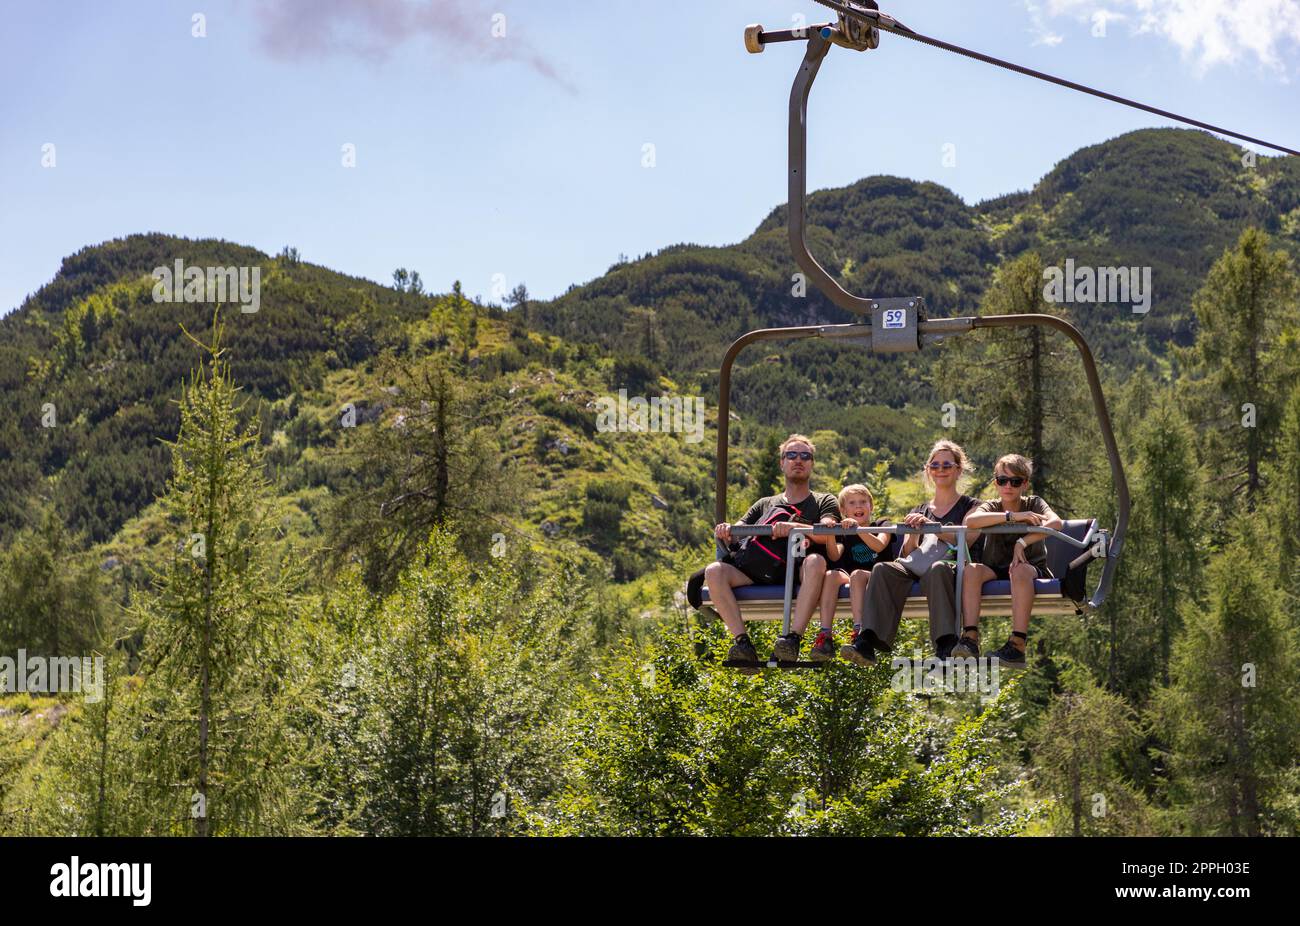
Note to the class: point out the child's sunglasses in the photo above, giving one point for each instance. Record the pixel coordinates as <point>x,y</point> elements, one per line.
<point>1014,481</point>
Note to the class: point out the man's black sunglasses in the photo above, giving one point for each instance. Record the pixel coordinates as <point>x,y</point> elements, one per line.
<point>798,455</point>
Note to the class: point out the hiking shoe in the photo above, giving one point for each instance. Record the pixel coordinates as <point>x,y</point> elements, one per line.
<point>787,648</point>
<point>943,647</point>
<point>825,647</point>
<point>743,651</point>
<point>966,648</point>
<point>860,653</point>
<point>1008,657</point>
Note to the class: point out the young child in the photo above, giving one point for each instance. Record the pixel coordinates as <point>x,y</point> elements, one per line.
<point>849,560</point>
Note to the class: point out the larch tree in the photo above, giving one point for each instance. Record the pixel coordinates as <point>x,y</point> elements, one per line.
<point>1230,715</point>
<point>1079,747</point>
<point>221,752</point>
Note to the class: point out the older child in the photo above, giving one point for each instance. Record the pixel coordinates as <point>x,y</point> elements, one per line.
<point>849,561</point>
<point>1018,558</point>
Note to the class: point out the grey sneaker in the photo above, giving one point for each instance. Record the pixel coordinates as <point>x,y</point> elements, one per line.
<point>743,651</point>
<point>967,648</point>
<point>787,648</point>
<point>1008,657</point>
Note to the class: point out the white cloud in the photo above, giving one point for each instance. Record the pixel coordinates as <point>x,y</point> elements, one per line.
<point>1207,32</point>
<point>1038,26</point>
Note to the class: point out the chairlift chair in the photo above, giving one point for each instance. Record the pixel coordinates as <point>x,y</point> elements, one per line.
<point>901,325</point>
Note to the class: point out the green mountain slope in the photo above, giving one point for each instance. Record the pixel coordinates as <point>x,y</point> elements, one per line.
<point>97,350</point>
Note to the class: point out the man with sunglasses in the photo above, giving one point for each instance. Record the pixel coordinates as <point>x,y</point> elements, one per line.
<point>761,560</point>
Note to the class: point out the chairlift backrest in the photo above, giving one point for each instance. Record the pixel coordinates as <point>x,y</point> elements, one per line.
<point>1059,554</point>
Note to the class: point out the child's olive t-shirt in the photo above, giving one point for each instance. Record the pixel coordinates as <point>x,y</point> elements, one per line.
<point>998,548</point>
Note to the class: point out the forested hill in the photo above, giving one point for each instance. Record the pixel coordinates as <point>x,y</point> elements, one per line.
<point>95,351</point>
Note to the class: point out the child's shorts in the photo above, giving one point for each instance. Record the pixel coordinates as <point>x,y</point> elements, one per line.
<point>1004,572</point>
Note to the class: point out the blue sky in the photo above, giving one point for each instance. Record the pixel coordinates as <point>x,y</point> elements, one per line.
<point>520,158</point>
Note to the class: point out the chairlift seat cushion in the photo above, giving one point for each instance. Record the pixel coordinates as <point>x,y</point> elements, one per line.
<point>777,592</point>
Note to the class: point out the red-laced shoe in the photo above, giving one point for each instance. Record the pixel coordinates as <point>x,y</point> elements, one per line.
<point>825,647</point>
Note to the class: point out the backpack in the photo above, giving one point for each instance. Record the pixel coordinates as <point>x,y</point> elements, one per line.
<point>762,558</point>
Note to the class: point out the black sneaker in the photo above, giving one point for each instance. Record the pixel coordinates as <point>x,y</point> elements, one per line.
<point>967,647</point>
<point>1009,656</point>
<point>943,647</point>
<point>824,649</point>
<point>787,648</point>
<point>860,652</point>
<point>743,651</point>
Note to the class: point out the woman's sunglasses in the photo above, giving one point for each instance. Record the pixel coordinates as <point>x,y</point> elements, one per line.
<point>798,455</point>
<point>945,465</point>
<point>1014,481</point>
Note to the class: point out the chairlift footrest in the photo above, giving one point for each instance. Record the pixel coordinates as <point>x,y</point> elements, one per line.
<point>770,664</point>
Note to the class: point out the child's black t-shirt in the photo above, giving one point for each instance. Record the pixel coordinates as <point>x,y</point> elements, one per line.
<point>857,555</point>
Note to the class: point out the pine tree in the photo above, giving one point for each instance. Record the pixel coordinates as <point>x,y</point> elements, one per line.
<point>1163,561</point>
<point>1284,501</point>
<point>100,720</point>
<point>519,301</point>
<point>1244,361</point>
<point>52,604</point>
<point>767,474</point>
<point>87,783</point>
<point>1023,387</point>
<point>439,458</point>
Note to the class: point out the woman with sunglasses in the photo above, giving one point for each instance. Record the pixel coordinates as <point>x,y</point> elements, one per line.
<point>891,582</point>
<point>1018,558</point>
